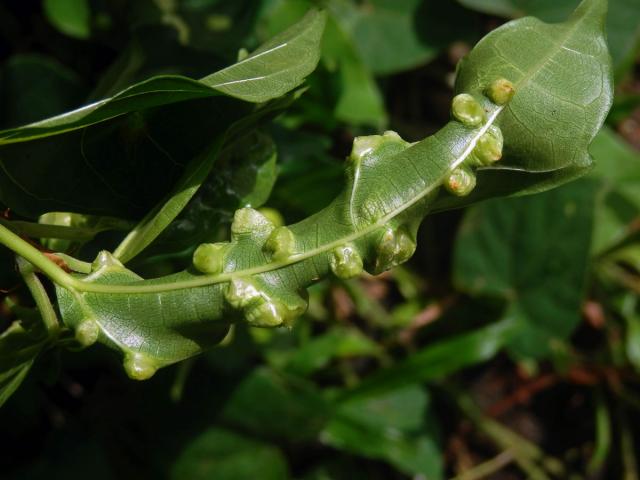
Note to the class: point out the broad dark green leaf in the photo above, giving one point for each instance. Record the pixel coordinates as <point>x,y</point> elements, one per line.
<point>273,405</point>
<point>388,427</point>
<point>225,455</point>
<point>623,31</point>
<point>533,253</point>
<point>34,87</point>
<point>399,49</point>
<point>19,347</point>
<point>415,30</point>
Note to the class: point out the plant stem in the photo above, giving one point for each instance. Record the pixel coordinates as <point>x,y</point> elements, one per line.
<point>32,255</point>
<point>603,436</point>
<point>629,461</point>
<point>525,453</point>
<point>487,468</point>
<point>48,314</point>
<point>75,264</point>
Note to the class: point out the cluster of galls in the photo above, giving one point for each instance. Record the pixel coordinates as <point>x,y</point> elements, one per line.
<point>263,301</point>
<point>488,150</point>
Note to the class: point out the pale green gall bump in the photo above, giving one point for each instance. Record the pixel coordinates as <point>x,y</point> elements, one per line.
<point>392,135</point>
<point>139,366</point>
<point>281,243</point>
<point>501,91</point>
<point>467,110</point>
<point>87,332</point>
<point>241,292</point>
<point>363,146</point>
<point>394,247</point>
<point>489,147</point>
<point>265,314</point>
<point>460,182</point>
<point>345,262</point>
<point>247,221</point>
<point>105,260</point>
<point>209,257</point>
<point>273,215</point>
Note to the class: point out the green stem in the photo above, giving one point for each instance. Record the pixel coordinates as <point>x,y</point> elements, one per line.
<point>485,469</point>
<point>75,264</point>
<point>48,314</point>
<point>627,447</point>
<point>603,436</point>
<point>35,257</point>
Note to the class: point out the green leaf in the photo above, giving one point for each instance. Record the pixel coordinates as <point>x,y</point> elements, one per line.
<point>533,253</point>
<point>66,226</point>
<point>414,31</point>
<point>388,427</point>
<point>224,455</point>
<point>244,175</point>
<point>71,17</point>
<point>277,67</point>
<point>338,342</point>
<point>547,145</point>
<point>34,87</point>
<point>437,361</point>
<point>359,100</point>
<point>526,52</point>
<point>126,151</point>
<point>165,212</point>
<point>400,48</point>
<point>20,344</point>
<point>623,22</point>
<point>288,407</point>
<point>618,200</point>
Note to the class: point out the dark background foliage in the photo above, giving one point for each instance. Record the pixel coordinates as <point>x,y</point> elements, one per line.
<point>509,347</point>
